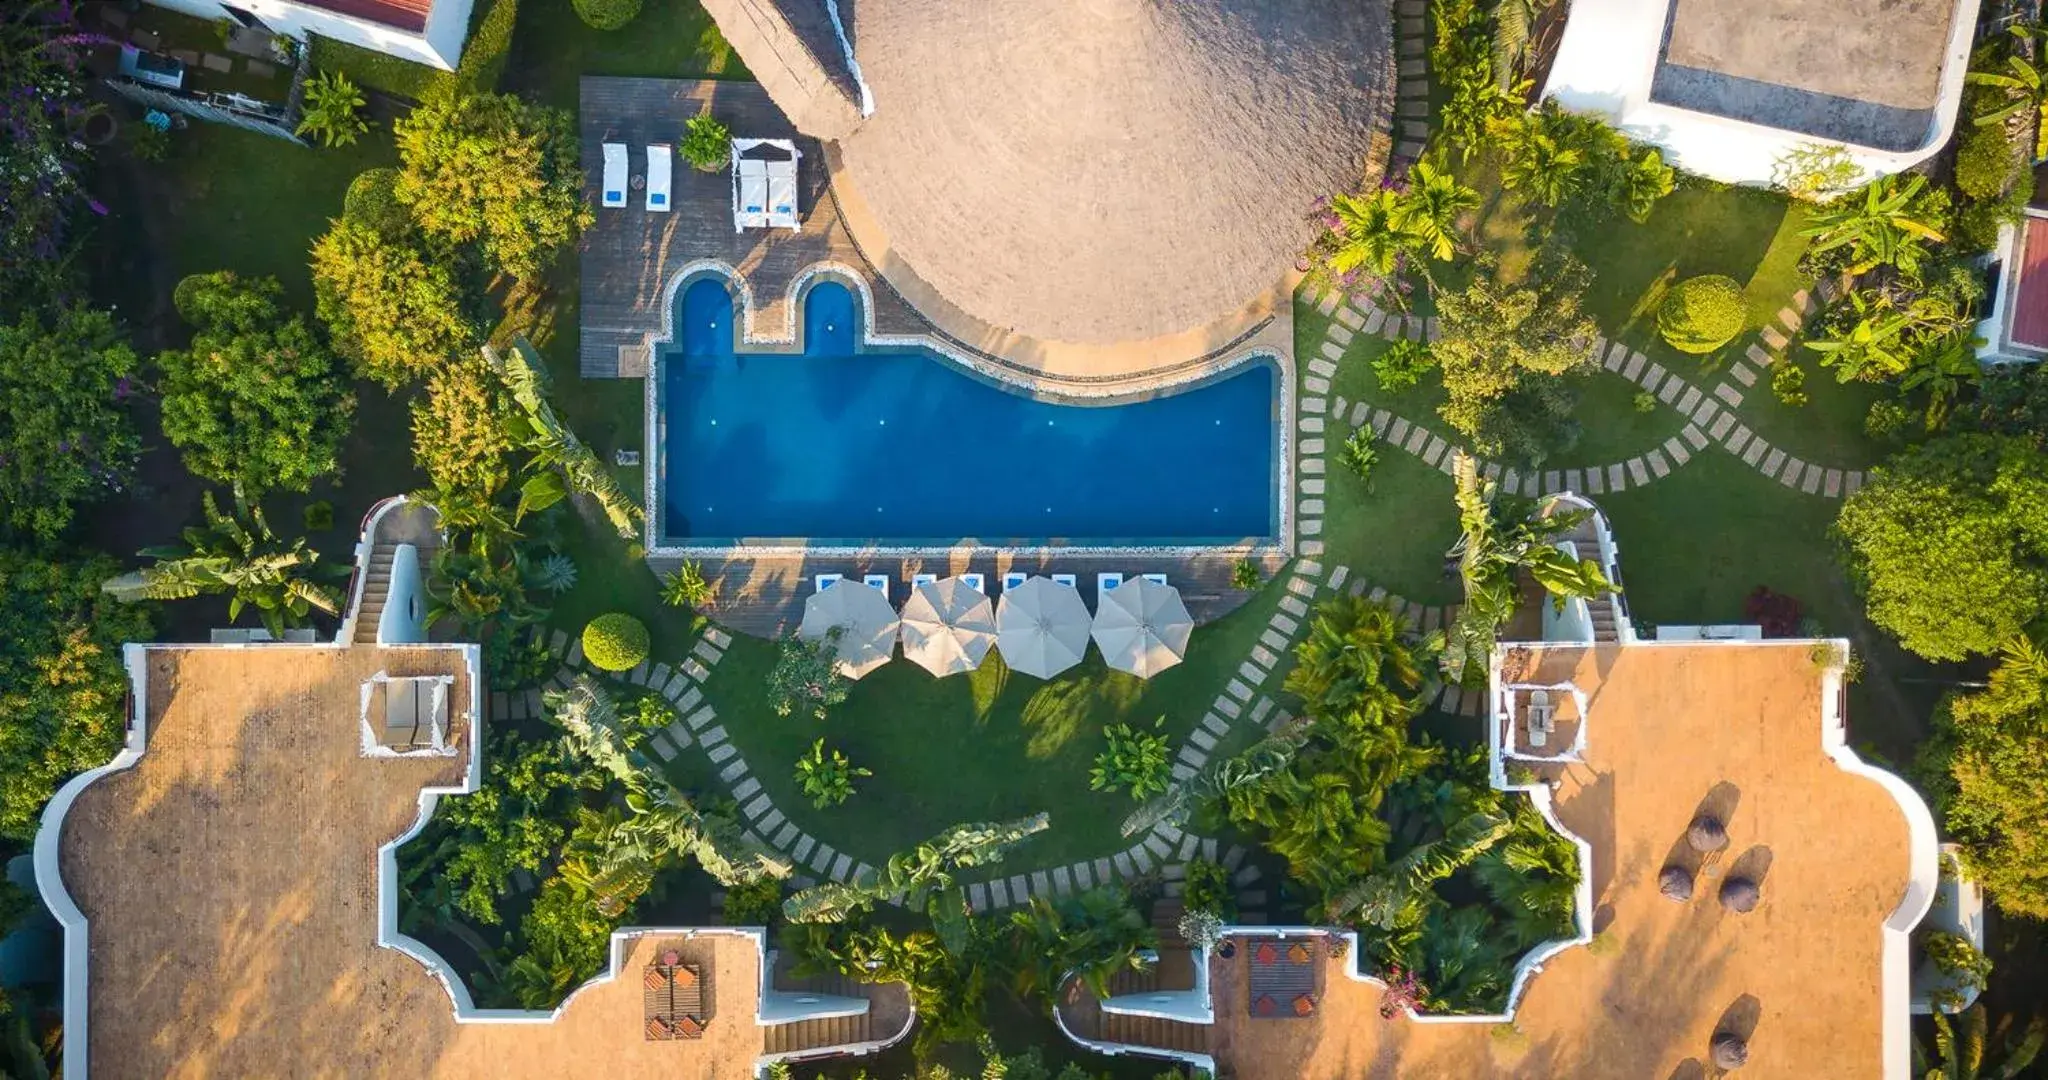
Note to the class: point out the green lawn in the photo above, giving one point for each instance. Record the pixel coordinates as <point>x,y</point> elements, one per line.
<point>988,745</point>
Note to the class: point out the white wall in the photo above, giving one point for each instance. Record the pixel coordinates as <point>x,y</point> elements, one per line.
<point>439,46</point>
<point>1608,57</point>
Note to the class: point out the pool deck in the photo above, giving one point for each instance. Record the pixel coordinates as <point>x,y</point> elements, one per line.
<point>632,260</point>
<point>765,596</point>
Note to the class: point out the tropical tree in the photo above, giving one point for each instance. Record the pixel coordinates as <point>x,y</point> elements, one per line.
<point>556,447</point>
<point>458,430</point>
<point>1370,236</point>
<point>43,80</point>
<point>1090,936</point>
<point>1947,547</point>
<point>396,313</point>
<point>256,403</point>
<point>1986,766</point>
<point>946,985</point>
<point>62,683</point>
<point>239,555</point>
<point>1360,656</point>
<point>1505,350</point>
<point>1944,369</point>
<point>923,876</point>
<point>65,435</point>
<point>495,171</point>
<point>332,110</point>
<point>685,587</point>
<point>2022,89</point>
<point>1381,898</point>
<point>1959,1047</point>
<point>1428,212</point>
<point>1541,159</point>
<point>806,675</point>
<point>1217,780</point>
<point>1887,222</point>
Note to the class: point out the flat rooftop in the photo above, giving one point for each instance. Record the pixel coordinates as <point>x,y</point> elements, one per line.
<point>229,880</point>
<point>1860,71</point>
<point>407,15</point>
<point>1672,728</point>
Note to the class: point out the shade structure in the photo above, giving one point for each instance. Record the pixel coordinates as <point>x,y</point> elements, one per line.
<point>1042,627</point>
<point>1142,627</point>
<point>948,626</point>
<point>866,624</point>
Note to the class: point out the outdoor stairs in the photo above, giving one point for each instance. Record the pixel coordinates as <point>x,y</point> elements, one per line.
<point>1174,971</point>
<point>807,1035</point>
<point>1601,609</point>
<point>377,588</point>
<point>1147,1031</point>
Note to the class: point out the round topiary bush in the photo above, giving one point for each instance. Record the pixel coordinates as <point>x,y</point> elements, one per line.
<point>615,642</point>
<point>1984,163</point>
<point>1702,314</point>
<point>606,14</point>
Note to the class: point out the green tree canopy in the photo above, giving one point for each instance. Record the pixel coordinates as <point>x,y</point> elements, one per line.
<point>1505,350</point>
<point>1949,544</point>
<point>256,402</point>
<point>492,170</point>
<point>65,437</point>
<point>392,310</point>
<point>61,680</point>
<point>1988,763</point>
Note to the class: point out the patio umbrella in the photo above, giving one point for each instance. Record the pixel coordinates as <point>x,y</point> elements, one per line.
<point>1041,627</point>
<point>864,619</point>
<point>1142,627</point>
<point>948,626</point>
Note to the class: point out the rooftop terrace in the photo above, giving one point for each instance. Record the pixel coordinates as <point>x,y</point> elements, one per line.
<point>230,883</point>
<point>1814,977</point>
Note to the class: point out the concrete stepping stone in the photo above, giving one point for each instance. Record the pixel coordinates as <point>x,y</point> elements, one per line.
<point>784,835</point>
<point>999,891</point>
<point>1062,881</point>
<point>663,749</point>
<point>1637,472</point>
<point>1774,462</point>
<point>1834,483</point>
<point>1728,394</point>
<point>1617,479</point>
<point>1774,338</point>
<point>1690,398</point>
<point>821,859</point>
<point>1215,724</point>
<point>1636,361</point>
<point>1676,450</point>
<point>1810,483</point>
<point>733,770</point>
<point>1124,869</point>
<point>1743,373</point>
<point>1349,316</point>
<point>746,789</point>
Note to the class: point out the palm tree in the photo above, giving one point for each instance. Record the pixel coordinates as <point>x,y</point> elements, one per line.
<point>1381,898</point>
<point>1370,236</point>
<point>1429,212</point>
<point>1543,159</point>
<point>1090,936</point>
<point>239,555</point>
<point>923,876</point>
<point>1218,779</point>
<point>1359,656</point>
<point>1532,875</point>
<point>555,446</point>
<point>1881,224</point>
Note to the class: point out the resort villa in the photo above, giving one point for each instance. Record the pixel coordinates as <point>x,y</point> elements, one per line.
<point>430,32</point>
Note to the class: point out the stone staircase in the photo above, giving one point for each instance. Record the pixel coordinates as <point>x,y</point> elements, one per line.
<point>817,1034</point>
<point>376,590</point>
<point>1605,618</point>
<point>1147,1031</point>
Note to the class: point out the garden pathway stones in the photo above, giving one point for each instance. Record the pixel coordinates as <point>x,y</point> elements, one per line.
<point>734,770</point>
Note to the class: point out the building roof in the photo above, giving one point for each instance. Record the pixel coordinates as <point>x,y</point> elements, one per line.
<point>1862,71</point>
<point>2030,286</point>
<point>1815,975</point>
<point>1109,170</point>
<point>407,15</point>
<point>229,884</point>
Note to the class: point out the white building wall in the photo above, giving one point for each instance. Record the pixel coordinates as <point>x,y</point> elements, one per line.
<point>440,46</point>
<point>1608,57</point>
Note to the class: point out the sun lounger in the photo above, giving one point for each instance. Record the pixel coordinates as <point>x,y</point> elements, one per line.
<point>922,579</point>
<point>878,582</point>
<point>826,581</point>
<point>1156,579</point>
<point>1013,579</point>
<point>1065,579</point>
<point>1542,718</point>
<point>976,582</point>
<point>614,175</point>
<point>1108,580</point>
<point>782,194</point>
<point>753,188</point>
<point>660,160</point>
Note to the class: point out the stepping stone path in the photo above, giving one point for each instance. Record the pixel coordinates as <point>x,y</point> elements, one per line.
<point>1710,414</point>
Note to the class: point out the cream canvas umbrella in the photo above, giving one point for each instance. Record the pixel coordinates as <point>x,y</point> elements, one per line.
<point>1142,627</point>
<point>864,619</point>
<point>1041,627</point>
<point>948,626</point>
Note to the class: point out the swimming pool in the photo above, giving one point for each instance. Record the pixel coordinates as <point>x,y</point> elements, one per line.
<point>841,444</point>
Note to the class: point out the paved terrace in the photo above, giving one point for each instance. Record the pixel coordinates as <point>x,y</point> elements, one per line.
<point>765,596</point>
<point>1672,728</point>
<point>229,880</point>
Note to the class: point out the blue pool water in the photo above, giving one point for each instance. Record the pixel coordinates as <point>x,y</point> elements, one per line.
<point>842,444</point>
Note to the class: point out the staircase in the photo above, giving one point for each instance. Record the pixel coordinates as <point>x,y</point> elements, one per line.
<point>1603,609</point>
<point>376,589</point>
<point>806,1035</point>
<point>1147,1031</point>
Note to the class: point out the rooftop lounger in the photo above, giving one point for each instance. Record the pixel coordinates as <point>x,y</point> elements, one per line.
<point>1156,579</point>
<point>660,160</point>
<point>782,194</point>
<point>1013,579</point>
<point>878,582</point>
<point>922,579</point>
<point>1108,580</point>
<point>614,175</point>
<point>1065,579</point>
<point>1542,718</point>
<point>826,581</point>
<point>976,582</point>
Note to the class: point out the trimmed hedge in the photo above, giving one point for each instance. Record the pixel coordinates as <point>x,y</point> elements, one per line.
<point>606,14</point>
<point>615,642</point>
<point>1702,314</point>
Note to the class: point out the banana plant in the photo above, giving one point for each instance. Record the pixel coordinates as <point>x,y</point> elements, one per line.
<point>2025,89</point>
<point>237,554</point>
<point>1881,224</point>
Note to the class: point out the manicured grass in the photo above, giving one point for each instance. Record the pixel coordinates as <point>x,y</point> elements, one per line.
<point>551,49</point>
<point>984,746</point>
<point>1701,228</point>
<point>1829,428</point>
<point>1396,532</point>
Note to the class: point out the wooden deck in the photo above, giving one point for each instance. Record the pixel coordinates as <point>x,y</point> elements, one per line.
<point>765,597</point>
<point>630,256</point>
